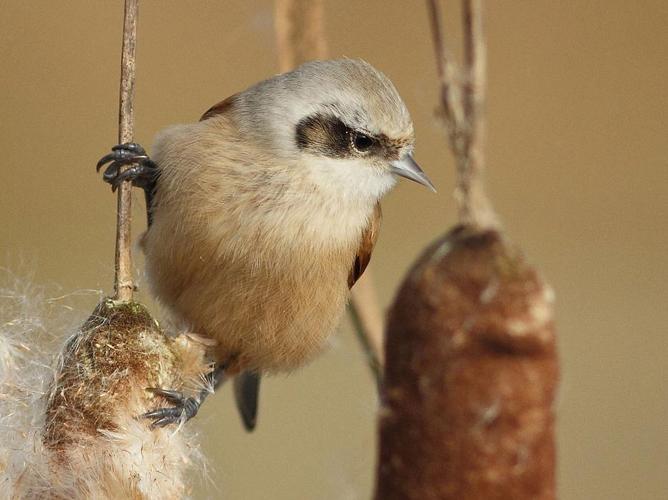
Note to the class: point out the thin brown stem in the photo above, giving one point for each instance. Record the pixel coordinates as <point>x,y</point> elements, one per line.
<point>469,58</point>
<point>123,282</point>
<point>300,32</point>
<point>462,100</point>
<point>475,207</point>
<point>451,104</point>
<point>368,322</point>
<point>439,49</point>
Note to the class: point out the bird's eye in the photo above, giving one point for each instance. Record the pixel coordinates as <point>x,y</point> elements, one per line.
<point>361,142</point>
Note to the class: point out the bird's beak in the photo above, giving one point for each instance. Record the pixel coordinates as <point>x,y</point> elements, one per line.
<point>408,168</point>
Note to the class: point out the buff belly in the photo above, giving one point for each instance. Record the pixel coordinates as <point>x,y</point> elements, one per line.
<point>272,316</point>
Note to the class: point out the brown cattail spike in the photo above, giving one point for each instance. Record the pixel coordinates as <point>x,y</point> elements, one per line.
<point>471,376</point>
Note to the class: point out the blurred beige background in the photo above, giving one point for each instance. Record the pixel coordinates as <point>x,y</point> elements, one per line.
<point>578,169</point>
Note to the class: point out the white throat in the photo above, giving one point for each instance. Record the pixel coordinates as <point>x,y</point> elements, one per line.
<point>334,205</point>
<point>350,181</point>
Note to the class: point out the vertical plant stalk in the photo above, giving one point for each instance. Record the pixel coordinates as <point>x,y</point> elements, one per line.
<point>300,32</point>
<point>123,281</point>
<point>462,98</point>
<point>475,207</point>
<point>300,37</point>
<point>368,323</point>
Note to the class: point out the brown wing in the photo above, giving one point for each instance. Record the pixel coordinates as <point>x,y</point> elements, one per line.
<point>219,108</point>
<point>363,256</point>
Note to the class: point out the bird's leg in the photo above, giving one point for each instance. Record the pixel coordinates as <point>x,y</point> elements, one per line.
<point>143,173</point>
<point>184,407</point>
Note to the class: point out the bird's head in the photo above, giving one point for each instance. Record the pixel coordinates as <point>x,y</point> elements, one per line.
<point>342,121</point>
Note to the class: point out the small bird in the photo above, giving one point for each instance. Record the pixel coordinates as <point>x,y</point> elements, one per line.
<point>262,216</point>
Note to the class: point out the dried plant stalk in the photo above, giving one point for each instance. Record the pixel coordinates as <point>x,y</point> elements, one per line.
<point>300,32</point>
<point>123,281</point>
<point>368,323</point>
<point>462,102</point>
<point>300,37</point>
<point>471,376</point>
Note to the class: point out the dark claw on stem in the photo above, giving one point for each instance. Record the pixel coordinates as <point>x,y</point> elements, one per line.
<point>129,152</point>
<point>142,174</point>
<point>172,396</point>
<point>162,422</point>
<point>120,157</point>
<point>129,146</point>
<point>183,410</point>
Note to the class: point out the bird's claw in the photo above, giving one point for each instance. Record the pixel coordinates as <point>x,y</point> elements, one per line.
<point>142,172</point>
<point>183,410</point>
<point>127,153</point>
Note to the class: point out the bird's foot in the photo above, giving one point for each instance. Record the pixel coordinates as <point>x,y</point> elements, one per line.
<point>142,173</point>
<point>184,407</point>
<point>183,410</point>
